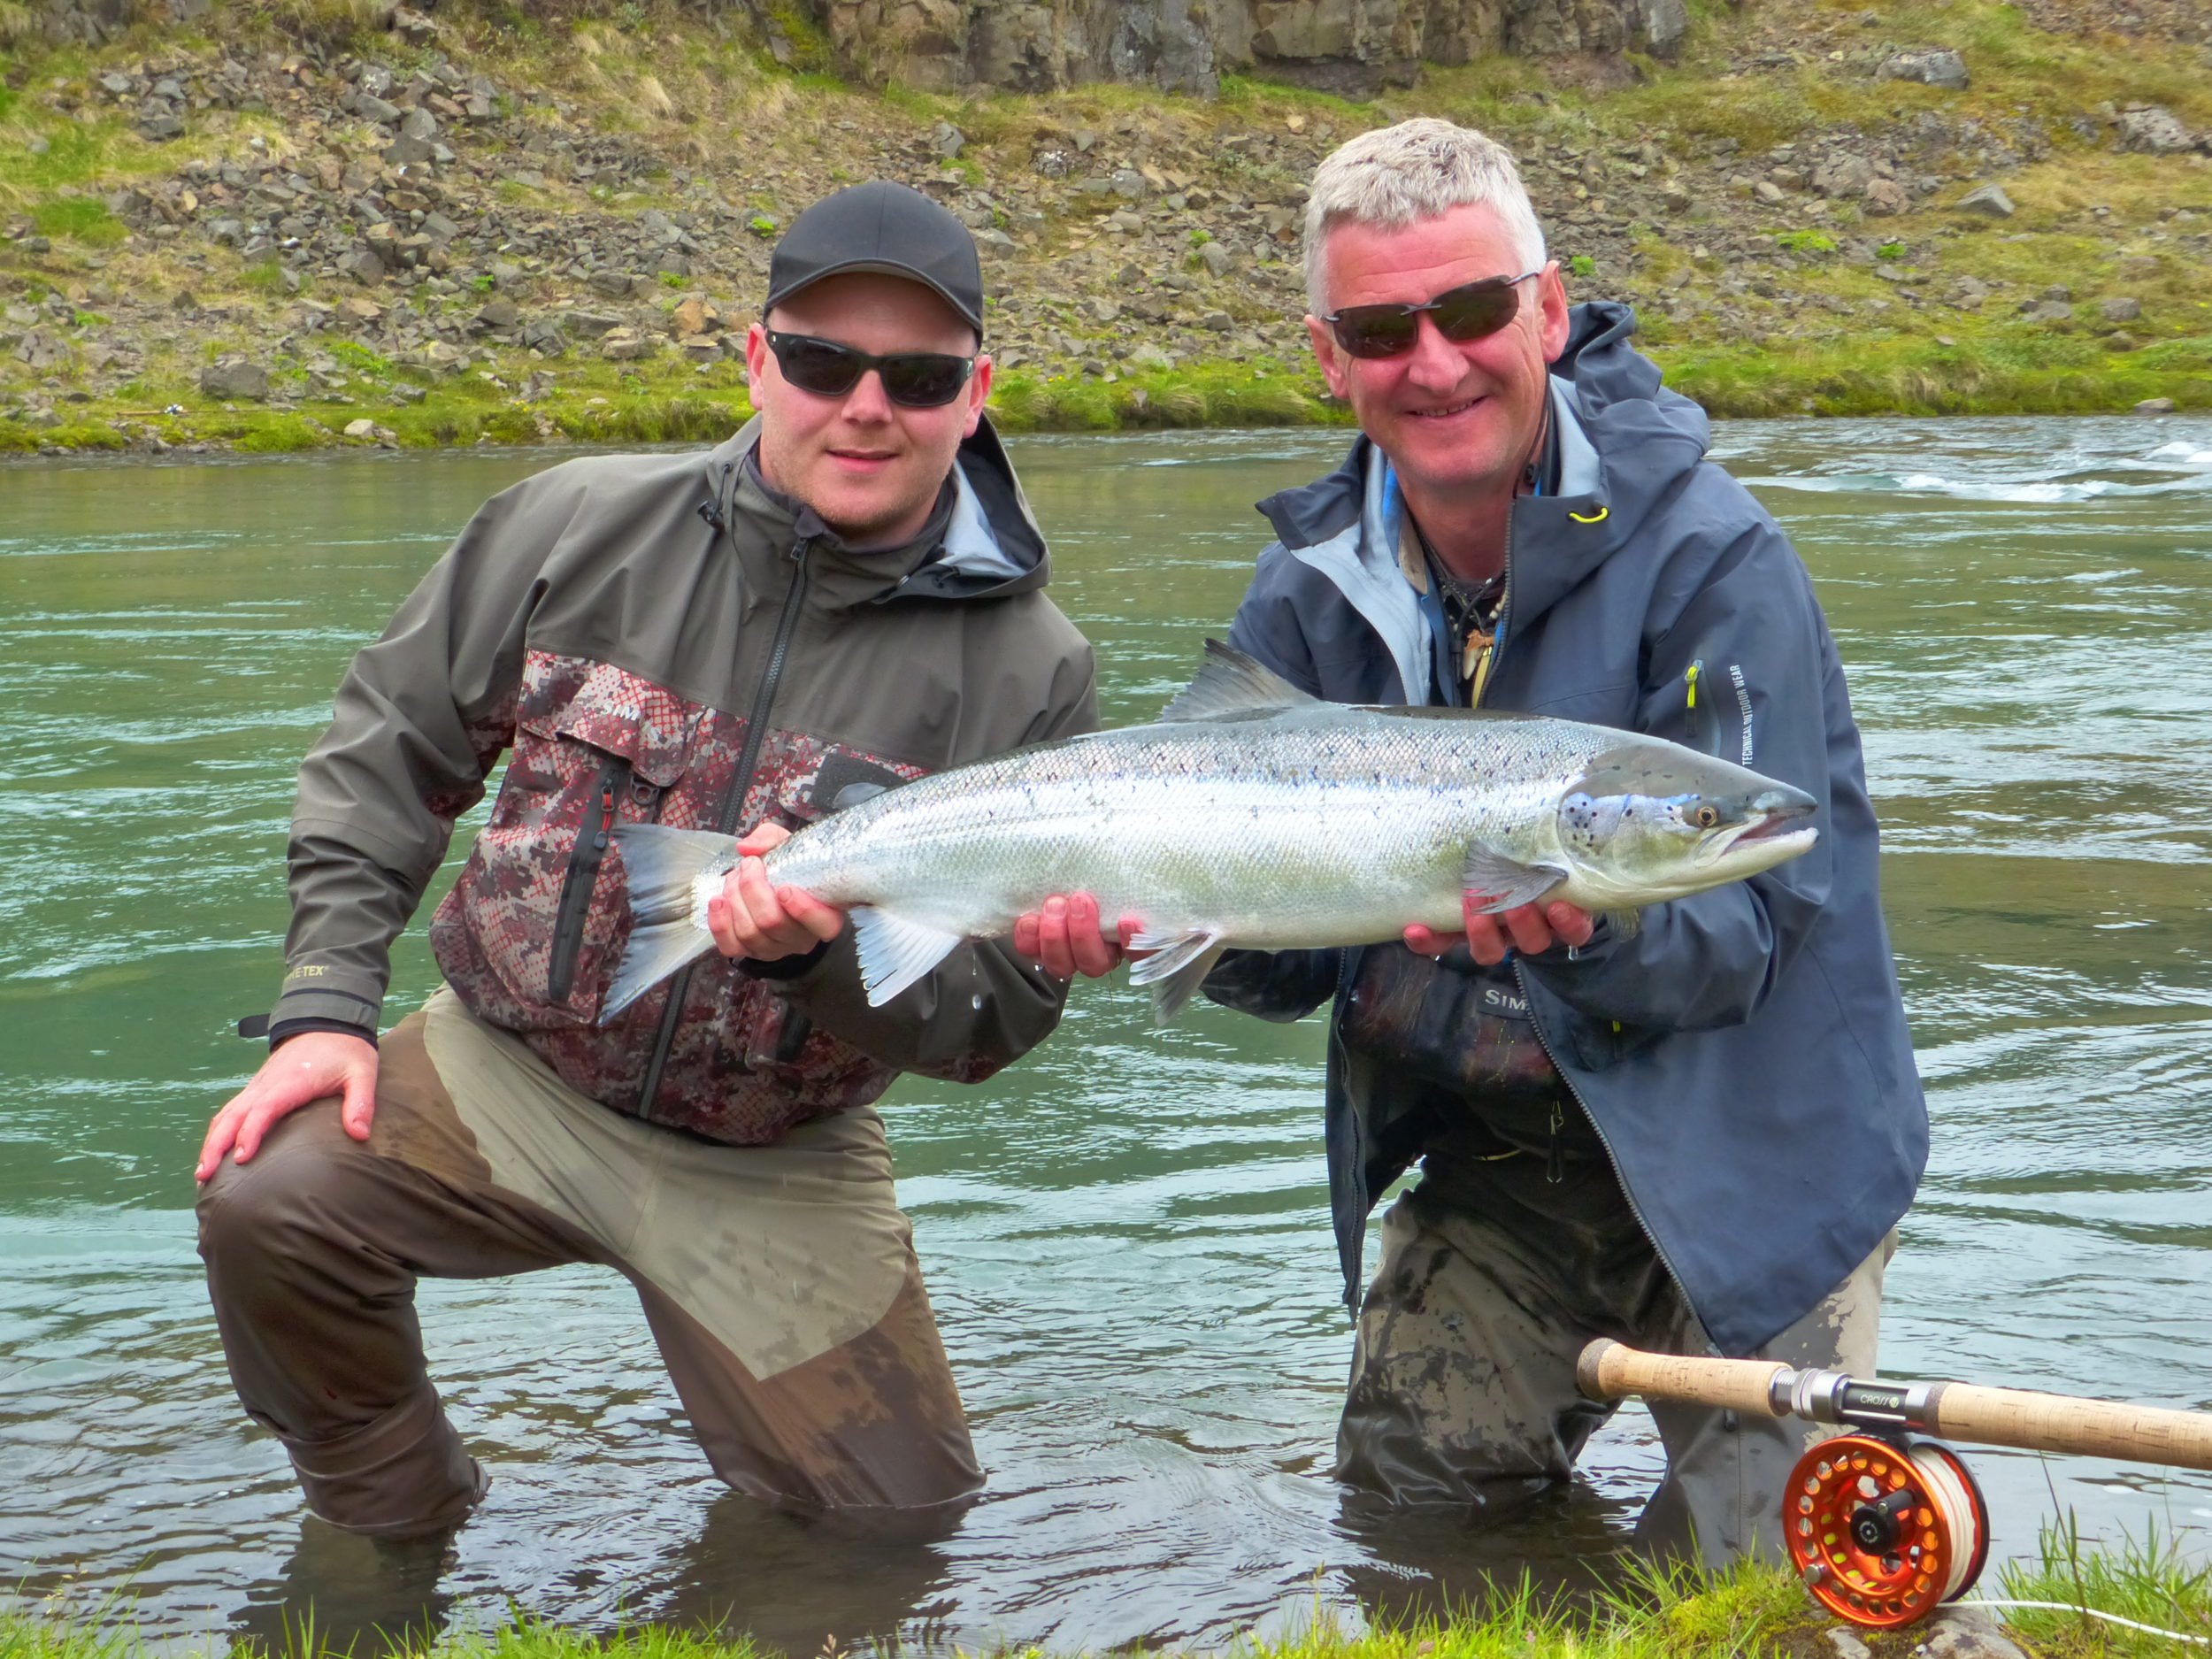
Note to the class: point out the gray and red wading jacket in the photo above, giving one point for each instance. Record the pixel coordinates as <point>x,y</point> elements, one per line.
<point>665,638</point>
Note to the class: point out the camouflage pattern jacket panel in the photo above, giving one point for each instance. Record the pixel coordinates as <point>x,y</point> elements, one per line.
<point>590,622</point>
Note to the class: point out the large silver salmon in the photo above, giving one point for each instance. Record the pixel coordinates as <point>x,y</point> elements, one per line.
<point>1250,815</point>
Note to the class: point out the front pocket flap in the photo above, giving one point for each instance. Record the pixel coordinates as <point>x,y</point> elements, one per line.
<point>620,713</point>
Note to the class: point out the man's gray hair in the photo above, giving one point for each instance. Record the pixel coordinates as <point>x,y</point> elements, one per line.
<point>1393,176</point>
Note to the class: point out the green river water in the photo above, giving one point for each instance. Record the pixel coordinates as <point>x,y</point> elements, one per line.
<point>1125,1237</point>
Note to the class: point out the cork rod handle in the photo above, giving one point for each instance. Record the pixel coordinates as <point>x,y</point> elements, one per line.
<point>1611,1370</point>
<point>2062,1423</point>
<point>1956,1411</point>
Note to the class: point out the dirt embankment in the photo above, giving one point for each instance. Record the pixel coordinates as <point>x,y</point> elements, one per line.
<point>378,227</point>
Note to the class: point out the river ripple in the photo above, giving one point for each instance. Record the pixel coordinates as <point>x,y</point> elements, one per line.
<point>1125,1236</point>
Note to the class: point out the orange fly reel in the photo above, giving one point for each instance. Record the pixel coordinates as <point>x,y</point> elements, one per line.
<point>1883,1532</point>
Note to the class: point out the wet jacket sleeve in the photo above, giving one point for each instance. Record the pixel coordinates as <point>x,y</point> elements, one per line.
<point>983,1006</point>
<point>1764,658</point>
<point>421,716</point>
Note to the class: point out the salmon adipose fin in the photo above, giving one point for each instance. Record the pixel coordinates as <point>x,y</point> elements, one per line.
<point>894,952</point>
<point>664,866</point>
<point>1183,960</point>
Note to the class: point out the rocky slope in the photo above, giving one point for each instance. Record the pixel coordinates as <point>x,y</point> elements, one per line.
<point>382,225</point>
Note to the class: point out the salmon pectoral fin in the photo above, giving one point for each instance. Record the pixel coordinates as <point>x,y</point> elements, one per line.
<point>1179,962</point>
<point>1501,883</point>
<point>894,952</point>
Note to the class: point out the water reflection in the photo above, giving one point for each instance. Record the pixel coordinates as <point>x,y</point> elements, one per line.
<point>1125,1237</point>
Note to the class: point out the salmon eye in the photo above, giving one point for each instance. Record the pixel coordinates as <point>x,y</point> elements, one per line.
<point>1707,816</point>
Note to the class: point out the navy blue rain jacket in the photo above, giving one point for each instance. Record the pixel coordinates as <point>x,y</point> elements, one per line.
<point>1744,1057</point>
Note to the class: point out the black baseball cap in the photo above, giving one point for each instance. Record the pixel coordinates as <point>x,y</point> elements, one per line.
<point>883,227</point>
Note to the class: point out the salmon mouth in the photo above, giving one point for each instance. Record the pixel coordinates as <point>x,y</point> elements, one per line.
<point>1773,826</point>
<point>1775,830</point>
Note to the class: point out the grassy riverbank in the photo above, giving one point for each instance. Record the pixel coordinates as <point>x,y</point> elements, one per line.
<point>1745,1614</point>
<point>1797,228</point>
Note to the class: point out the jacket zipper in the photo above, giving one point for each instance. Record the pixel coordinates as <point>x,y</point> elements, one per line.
<point>582,880</point>
<point>1554,1165</point>
<point>733,802</point>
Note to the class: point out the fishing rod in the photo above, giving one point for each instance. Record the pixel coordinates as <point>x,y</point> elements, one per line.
<point>1882,1526</point>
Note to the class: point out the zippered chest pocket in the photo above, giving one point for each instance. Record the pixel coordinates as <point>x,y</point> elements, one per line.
<point>581,885</point>
<point>594,746</point>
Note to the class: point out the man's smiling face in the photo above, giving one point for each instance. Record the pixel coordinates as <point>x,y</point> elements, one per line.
<point>869,467</point>
<point>1456,420</point>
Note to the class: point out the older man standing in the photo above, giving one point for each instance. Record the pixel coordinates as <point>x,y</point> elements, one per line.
<point>845,594</point>
<point>1698,1137</point>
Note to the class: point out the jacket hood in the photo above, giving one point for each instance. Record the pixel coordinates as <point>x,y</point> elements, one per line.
<point>982,541</point>
<point>1624,440</point>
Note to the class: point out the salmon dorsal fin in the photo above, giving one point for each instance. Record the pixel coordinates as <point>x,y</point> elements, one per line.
<point>1234,687</point>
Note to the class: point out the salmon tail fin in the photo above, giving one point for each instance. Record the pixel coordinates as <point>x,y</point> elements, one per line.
<point>663,866</point>
<point>894,952</point>
<point>1182,960</point>
<point>654,953</point>
<point>1234,687</point>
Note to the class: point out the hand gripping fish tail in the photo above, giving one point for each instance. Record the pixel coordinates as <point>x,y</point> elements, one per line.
<point>1248,816</point>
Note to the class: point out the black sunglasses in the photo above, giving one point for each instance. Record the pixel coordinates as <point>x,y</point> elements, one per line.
<point>918,380</point>
<point>1467,312</point>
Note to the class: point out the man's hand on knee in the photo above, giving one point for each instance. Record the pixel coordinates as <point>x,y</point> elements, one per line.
<point>313,1066</point>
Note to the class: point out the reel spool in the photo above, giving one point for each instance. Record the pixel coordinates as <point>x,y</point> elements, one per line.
<point>1882,1531</point>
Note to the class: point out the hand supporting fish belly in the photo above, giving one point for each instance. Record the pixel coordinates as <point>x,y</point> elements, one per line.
<point>1249,815</point>
<point>1531,929</point>
<point>754,918</point>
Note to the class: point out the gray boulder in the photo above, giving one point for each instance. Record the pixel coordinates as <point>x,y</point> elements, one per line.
<point>1966,1632</point>
<point>234,379</point>
<point>2121,309</point>
<point>1934,69</point>
<point>1886,197</point>
<point>1845,175</point>
<point>626,345</point>
<point>2156,130</point>
<point>2155,406</point>
<point>1989,200</point>
<point>42,351</point>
